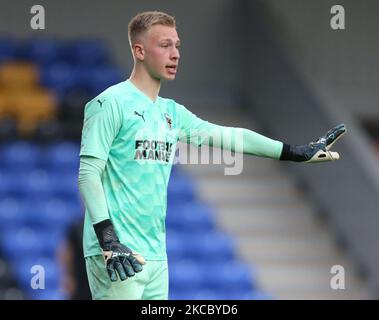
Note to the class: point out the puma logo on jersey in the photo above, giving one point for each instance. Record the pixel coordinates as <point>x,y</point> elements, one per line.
<point>140,115</point>
<point>100,102</point>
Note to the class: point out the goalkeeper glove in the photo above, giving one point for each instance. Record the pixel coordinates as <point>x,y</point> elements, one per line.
<point>318,151</point>
<point>118,258</point>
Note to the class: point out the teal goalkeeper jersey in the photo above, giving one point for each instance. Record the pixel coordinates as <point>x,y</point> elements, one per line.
<point>137,138</point>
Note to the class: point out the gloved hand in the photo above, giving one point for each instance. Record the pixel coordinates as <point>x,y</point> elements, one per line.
<point>117,256</point>
<point>318,151</point>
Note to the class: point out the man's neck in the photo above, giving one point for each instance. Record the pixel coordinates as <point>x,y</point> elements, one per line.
<point>145,83</point>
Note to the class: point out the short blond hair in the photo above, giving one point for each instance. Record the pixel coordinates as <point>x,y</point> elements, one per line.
<point>145,20</point>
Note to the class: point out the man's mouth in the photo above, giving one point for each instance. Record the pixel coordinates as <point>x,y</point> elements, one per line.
<point>172,68</point>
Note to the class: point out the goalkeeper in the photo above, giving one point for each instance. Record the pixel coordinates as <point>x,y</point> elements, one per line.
<point>128,144</point>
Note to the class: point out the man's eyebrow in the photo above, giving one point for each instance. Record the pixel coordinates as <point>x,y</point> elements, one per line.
<point>170,40</point>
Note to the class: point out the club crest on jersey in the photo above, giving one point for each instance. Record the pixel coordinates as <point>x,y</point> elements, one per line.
<point>168,121</point>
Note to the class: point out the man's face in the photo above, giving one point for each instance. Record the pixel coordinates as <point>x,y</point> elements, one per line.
<point>161,52</point>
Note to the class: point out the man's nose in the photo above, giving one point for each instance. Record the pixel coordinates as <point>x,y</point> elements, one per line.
<point>175,54</point>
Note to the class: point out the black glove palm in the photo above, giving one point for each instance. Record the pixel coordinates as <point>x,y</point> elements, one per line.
<point>318,151</point>
<point>118,258</point>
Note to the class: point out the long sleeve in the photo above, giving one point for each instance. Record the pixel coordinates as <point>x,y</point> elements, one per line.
<point>91,188</point>
<point>198,132</point>
<point>246,141</point>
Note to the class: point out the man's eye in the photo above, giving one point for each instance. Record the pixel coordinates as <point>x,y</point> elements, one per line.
<point>165,45</point>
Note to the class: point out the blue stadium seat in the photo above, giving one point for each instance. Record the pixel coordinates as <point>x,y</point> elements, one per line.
<point>36,184</point>
<point>14,182</point>
<point>83,74</point>
<point>50,216</point>
<point>171,213</point>
<point>31,210</point>
<point>175,169</point>
<point>23,241</point>
<point>57,212</point>
<point>180,190</point>
<point>63,156</point>
<point>174,244</point>
<point>76,206</point>
<point>88,52</point>
<point>11,214</point>
<point>193,216</point>
<point>185,275</point>
<point>211,246</point>
<point>19,155</point>
<point>53,238</point>
<point>43,51</point>
<point>65,184</point>
<point>29,241</point>
<point>232,277</point>
<point>7,49</point>
<point>59,77</point>
<point>5,183</point>
<point>102,78</point>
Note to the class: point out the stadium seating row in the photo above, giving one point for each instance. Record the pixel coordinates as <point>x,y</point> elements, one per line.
<point>37,75</point>
<point>44,51</point>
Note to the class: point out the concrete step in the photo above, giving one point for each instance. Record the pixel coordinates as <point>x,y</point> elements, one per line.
<point>241,192</point>
<point>267,250</point>
<point>294,246</point>
<point>261,220</point>
<point>307,281</point>
<point>253,167</point>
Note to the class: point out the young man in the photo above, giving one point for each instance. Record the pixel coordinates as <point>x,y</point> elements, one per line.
<point>128,144</point>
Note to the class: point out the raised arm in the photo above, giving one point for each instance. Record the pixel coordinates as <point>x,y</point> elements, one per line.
<point>197,131</point>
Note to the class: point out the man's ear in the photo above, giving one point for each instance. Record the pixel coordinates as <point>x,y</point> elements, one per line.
<point>139,52</point>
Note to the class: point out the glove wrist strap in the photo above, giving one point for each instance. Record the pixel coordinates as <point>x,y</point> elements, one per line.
<point>292,153</point>
<point>286,152</point>
<point>105,233</point>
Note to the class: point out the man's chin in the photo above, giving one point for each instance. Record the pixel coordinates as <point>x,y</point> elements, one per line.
<point>165,77</point>
<point>169,77</point>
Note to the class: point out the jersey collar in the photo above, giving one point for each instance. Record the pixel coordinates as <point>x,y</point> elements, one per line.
<point>140,93</point>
